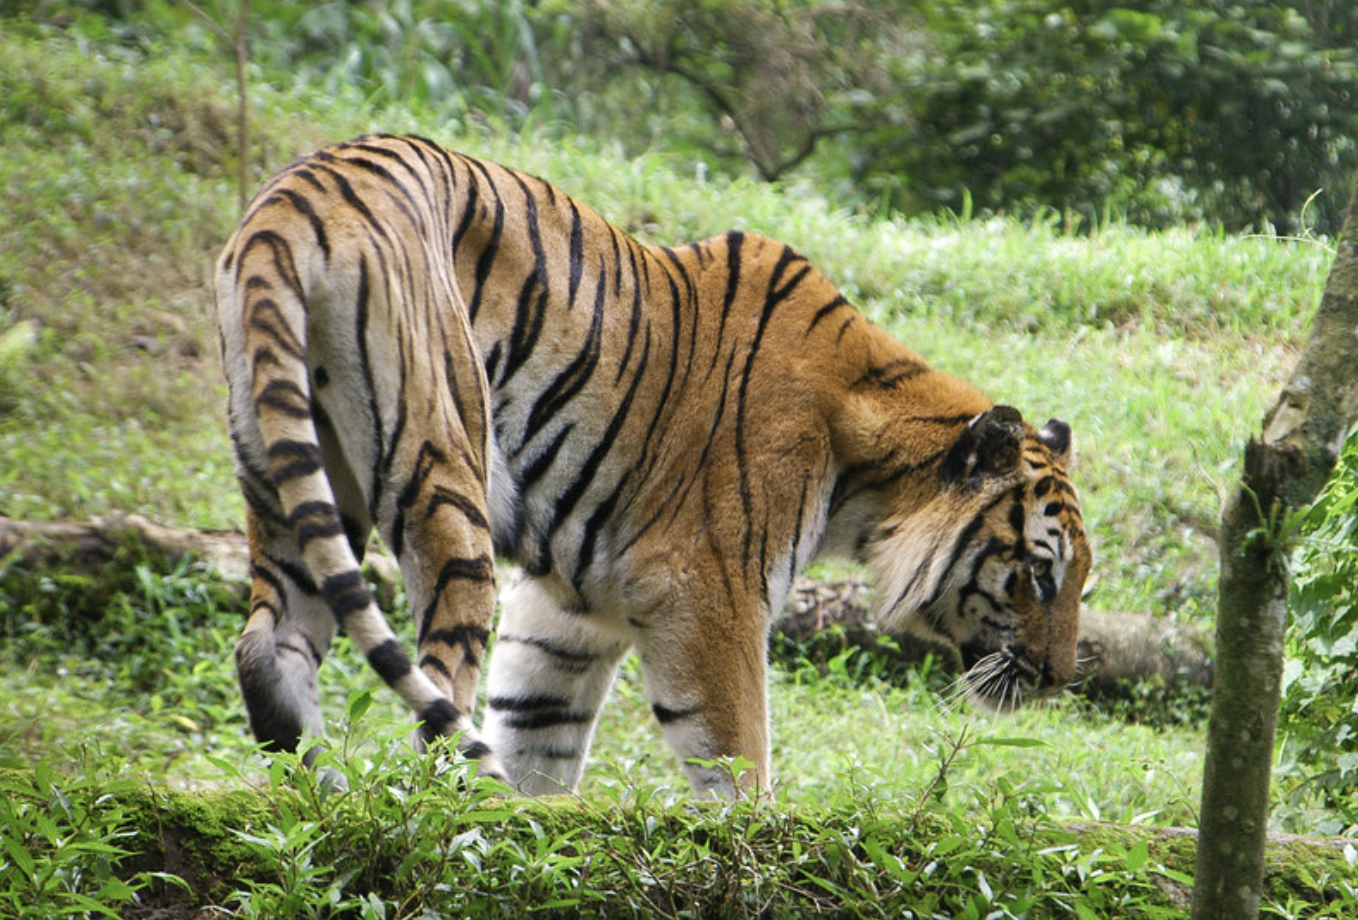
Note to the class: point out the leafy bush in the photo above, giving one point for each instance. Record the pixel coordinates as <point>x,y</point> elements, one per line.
<point>413,836</point>
<point>1320,680</point>
<point>62,845</point>
<point>1161,110</point>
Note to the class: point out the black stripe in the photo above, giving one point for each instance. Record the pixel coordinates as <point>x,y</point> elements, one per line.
<point>286,397</point>
<point>407,205</point>
<point>774,296</point>
<point>465,221</point>
<point>891,374</point>
<point>280,257</point>
<point>572,661</point>
<point>468,508</point>
<point>590,468</point>
<point>493,361</point>
<point>309,178</point>
<point>270,579</point>
<point>399,157</point>
<point>479,570</point>
<point>593,526</point>
<point>436,663</point>
<point>426,460</point>
<point>467,637</point>
<point>261,604</point>
<point>797,531</point>
<point>375,434</point>
<point>634,322</point>
<point>537,711</point>
<point>491,248</point>
<point>440,718</point>
<point>531,311</point>
<point>477,750</point>
<point>1018,517</point>
<point>543,461</point>
<point>300,203</point>
<point>531,703</point>
<point>294,573</point>
<point>389,660</point>
<point>266,317</point>
<point>315,520</point>
<point>838,303</point>
<point>664,715</point>
<point>573,378</point>
<point>345,593</point>
<point>352,198</point>
<point>613,235</point>
<point>954,555</point>
<point>577,257</point>
<point>293,459</point>
<point>734,241</point>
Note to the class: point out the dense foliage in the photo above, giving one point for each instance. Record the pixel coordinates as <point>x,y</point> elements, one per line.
<point>1320,683</point>
<point>1159,111</point>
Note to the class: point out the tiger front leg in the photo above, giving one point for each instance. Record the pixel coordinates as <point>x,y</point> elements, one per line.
<point>706,679</point>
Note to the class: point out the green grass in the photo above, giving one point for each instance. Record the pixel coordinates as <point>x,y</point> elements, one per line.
<point>886,801</point>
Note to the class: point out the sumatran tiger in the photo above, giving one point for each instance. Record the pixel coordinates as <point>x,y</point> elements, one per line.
<point>462,356</point>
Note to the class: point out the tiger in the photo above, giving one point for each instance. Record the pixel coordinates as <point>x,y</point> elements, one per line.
<point>462,357</point>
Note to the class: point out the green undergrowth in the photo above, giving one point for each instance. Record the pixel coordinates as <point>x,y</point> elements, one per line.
<point>378,831</point>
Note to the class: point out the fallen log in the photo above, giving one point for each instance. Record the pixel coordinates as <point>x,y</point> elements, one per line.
<point>1118,652</point>
<point>87,546</point>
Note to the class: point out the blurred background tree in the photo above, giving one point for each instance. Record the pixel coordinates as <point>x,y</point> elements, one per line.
<point>1160,112</point>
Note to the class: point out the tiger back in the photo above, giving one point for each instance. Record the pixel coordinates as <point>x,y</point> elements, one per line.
<point>465,358</point>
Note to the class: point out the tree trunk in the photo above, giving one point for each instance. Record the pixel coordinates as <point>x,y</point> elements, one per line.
<point>1284,470</point>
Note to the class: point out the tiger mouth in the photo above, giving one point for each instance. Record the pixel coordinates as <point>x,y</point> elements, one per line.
<point>1004,680</point>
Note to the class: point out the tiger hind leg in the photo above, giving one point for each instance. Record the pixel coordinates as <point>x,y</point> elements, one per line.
<point>283,644</point>
<point>440,533</point>
<point>550,672</point>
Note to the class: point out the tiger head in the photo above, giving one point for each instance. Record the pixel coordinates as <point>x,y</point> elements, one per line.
<point>994,563</point>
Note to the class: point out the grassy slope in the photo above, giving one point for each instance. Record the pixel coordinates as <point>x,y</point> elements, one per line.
<point>1161,349</point>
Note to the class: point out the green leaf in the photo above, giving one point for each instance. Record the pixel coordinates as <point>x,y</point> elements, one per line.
<point>1137,856</point>
<point>1011,742</point>
<point>21,857</point>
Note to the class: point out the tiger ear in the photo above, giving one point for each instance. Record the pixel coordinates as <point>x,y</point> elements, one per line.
<point>986,447</point>
<point>1055,435</point>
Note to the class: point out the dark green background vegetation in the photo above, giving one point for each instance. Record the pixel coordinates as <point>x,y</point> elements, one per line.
<point>1156,111</point>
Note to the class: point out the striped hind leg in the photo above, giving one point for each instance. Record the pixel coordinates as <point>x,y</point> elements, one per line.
<point>283,644</point>
<point>441,537</point>
<point>549,675</point>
